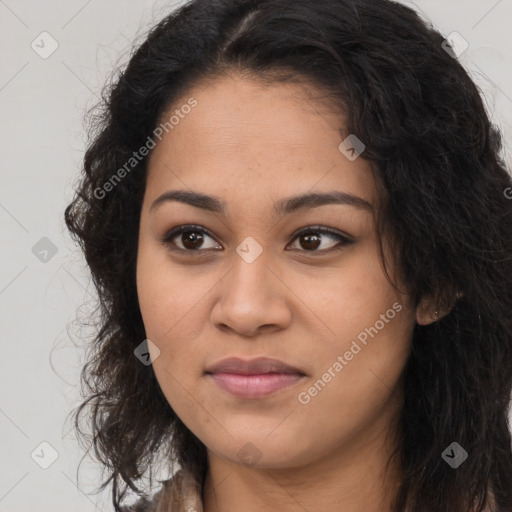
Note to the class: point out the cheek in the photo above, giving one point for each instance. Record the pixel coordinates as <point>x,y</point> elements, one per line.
<point>371,329</point>
<point>356,383</point>
<point>171,323</point>
<point>353,298</point>
<point>169,298</point>
<point>174,308</point>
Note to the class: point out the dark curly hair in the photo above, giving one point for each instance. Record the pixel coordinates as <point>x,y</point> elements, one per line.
<point>436,158</point>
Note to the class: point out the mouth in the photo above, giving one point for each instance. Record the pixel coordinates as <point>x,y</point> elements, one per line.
<point>255,378</point>
<point>257,366</point>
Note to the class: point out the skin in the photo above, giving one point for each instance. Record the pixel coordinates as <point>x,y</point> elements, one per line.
<point>252,145</point>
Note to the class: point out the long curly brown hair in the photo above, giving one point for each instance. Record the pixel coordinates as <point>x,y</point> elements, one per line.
<point>437,158</point>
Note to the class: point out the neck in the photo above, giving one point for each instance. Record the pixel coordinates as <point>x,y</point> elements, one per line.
<point>356,479</point>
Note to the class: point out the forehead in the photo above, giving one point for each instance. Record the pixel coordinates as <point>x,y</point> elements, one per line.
<point>248,140</point>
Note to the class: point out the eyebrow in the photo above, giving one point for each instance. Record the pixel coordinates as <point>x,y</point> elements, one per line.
<point>281,208</point>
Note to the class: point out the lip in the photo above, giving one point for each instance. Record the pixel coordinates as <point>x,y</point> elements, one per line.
<point>254,378</point>
<point>256,366</point>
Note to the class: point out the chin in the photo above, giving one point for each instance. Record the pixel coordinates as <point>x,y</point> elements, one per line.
<point>262,451</point>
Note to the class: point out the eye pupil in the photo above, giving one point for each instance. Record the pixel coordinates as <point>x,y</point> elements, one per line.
<point>312,241</point>
<point>189,238</point>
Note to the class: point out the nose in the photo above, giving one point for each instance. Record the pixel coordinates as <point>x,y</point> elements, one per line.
<point>252,299</point>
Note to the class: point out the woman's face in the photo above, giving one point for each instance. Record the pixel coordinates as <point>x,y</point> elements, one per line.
<point>244,283</point>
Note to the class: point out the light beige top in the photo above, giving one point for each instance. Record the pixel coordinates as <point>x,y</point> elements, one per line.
<point>181,493</point>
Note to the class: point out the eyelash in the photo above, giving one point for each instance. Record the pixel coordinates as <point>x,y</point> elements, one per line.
<point>173,233</point>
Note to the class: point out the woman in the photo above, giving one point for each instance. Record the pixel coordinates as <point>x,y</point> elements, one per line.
<point>295,214</point>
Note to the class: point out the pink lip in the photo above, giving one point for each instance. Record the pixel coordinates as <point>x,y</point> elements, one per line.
<point>254,366</point>
<point>254,386</point>
<point>253,378</point>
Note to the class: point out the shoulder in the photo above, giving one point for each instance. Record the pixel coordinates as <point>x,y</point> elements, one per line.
<point>182,493</point>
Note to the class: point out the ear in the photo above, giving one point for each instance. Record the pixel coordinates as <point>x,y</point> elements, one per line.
<point>429,311</point>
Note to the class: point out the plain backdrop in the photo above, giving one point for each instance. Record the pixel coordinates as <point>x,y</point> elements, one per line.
<point>43,282</point>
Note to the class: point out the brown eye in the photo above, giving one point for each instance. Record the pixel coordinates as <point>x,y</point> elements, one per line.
<point>187,239</point>
<point>192,239</point>
<point>311,239</point>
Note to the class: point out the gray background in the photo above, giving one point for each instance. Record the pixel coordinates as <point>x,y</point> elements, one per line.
<point>41,146</point>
